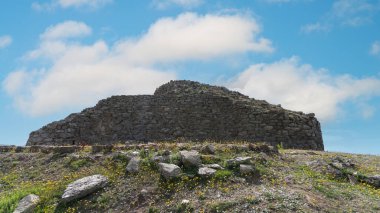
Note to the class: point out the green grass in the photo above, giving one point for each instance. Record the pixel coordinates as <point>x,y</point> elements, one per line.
<point>76,164</point>
<point>223,174</point>
<point>221,206</point>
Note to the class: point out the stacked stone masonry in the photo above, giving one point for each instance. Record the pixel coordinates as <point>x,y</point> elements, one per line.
<point>187,110</point>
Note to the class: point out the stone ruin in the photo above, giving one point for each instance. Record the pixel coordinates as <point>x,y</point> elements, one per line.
<point>184,110</point>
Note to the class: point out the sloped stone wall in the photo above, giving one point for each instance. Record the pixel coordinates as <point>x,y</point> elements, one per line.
<point>184,109</point>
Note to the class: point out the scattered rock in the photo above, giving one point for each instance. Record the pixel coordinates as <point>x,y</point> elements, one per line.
<point>84,186</point>
<point>142,196</point>
<point>373,180</point>
<point>289,179</point>
<point>133,165</point>
<point>235,179</point>
<point>270,150</point>
<point>190,158</point>
<point>169,171</point>
<point>161,158</point>
<point>27,204</point>
<point>341,163</point>
<point>352,179</point>
<point>166,153</point>
<point>247,169</point>
<point>318,165</point>
<point>158,159</point>
<point>135,153</point>
<point>208,149</point>
<point>206,172</point>
<point>184,201</point>
<point>144,191</point>
<point>238,160</point>
<point>212,166</point>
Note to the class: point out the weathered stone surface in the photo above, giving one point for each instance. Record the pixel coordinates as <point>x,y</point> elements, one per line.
<point>187,110</point>
<point>27,204</point>
<point>373,180</point>
<point>133,165</point>
<point>212,166</point>
<point>84,186</point>
<point>238,160</point>
<point>247,169</point>
<point>190,158</point>
<point>169,171</point>
<point>206,172</point>
<point>208,149</point>
<point>102,148</point>
<point>264,148</point>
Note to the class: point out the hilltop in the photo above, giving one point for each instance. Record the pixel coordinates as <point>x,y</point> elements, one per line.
<point>250,177</point>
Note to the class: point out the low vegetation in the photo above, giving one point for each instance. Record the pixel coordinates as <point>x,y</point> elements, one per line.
<point>290,181</point>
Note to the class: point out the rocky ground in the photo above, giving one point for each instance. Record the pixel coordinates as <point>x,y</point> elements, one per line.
<point>190,177</point>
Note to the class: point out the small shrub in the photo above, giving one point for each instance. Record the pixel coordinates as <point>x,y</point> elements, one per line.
<point>175,158</point>
<point>223,174</point>
<point>76,164</point>
<point>221,206</point>
<point>121,158</point>
<point>184,208</point>
<point>153,210</point>
<point>252,200</point>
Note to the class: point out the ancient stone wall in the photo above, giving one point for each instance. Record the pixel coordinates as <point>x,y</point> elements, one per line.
<point>188,110</point>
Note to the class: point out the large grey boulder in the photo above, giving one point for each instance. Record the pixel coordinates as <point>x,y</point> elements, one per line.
<point>206,172</point>
<point>190,158</point>
<point>169,171</point>
<point>133,165</point>
<point>84,186</point>
<point>27,204</point>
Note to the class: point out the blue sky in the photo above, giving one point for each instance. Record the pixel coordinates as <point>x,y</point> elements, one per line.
<point>60,56</point>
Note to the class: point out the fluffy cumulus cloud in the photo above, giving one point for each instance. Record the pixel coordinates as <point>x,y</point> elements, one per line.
<point>375,48</point>
<point>190,36</point>
<point>80,74</point>
<point>5,41</point>
<point>350,13</point>
<point>163,4</point>
<point>69,3</point>
<point>301,87</point>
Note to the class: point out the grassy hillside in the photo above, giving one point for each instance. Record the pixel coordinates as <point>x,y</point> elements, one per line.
<point>290,181</point>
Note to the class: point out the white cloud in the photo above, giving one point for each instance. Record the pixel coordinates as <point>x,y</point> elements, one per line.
<point>92,4</point>
<point>316,27</point>
<point>81,3</point>
<point>5,41</point>
<point>350,13</point>
<point>55,39</point>
<point>15,81</point>
<point>353,12</point>
<point>375,48</point>
<point>190,36</point>
<point>80,74</point>
<point>67,29</point>
<point>163,4</point>
<point>301,87</point>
